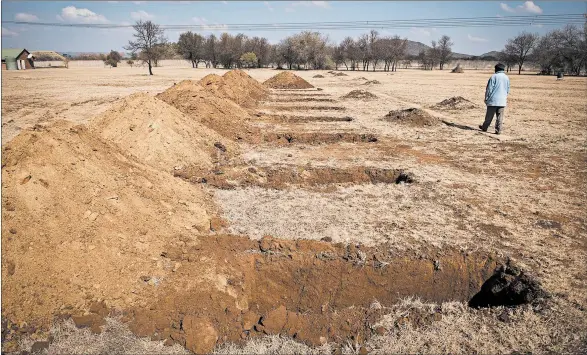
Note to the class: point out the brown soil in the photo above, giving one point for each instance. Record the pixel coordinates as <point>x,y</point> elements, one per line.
<point>301,94</point>
<point>160,135</point>
<point>311,291</point>
<point>360,95</point>
<point>318,76</point>
<point>305,99</point>
<point>287,80</point>
<point>220,114</point>
<point>294,118</point>
<point>458,69</point>
<point>455,103</point>
<point>282,177</point>
<point>317,138</point>
<point>339,74</point>
<point>360,78</point>
<point>235,85</point>
<point>82,220</point>
<point>305,108</point>
<point>412,117</point>
<point>372,82</point>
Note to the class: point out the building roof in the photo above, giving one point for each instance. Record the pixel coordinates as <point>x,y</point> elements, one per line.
<point>12,53</point>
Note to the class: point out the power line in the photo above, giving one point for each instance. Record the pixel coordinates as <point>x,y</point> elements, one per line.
<point>458,22</point>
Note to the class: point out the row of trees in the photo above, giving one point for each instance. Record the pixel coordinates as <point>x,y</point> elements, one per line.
<point>564,49</point>
<point>560,50</point>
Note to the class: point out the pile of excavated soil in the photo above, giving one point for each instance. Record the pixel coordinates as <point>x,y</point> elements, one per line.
<point>455,103</point>
<point>287,80</point>
<point>339,74</point>
<point>160,135</point>
<point>458,69</point>
<point>220,114</point>
<point>360,94</point>
<point>83,221</point>
<point>237,86</point>
<point>360,78</point>
<point>372,82</point>
<point>412,117</point>
<point>318,76</point>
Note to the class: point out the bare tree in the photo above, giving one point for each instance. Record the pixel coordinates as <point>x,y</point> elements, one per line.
<point>521,46</point>
<point>432,55</point>
<point>444,50</point>
<point>211,51</point>
<point>192,47</point>
<point>148,37</point>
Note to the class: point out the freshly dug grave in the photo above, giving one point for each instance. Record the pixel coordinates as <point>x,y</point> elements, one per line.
<point>458,69</point>
<point>295,118</point>
<point>235,85</point>
<point>305,99</point>
<point>82,220</point>
<point>287,80</point>
<point>220,114</point>
<point>283,177</point>
<point>455,103</point>
<point>413,117</point>
<point>285,93</point>
<point>360,95</point>
<point>372,82</point>
<point>304,108</point>
<point>160,135</point>
<point>313,292</point>
<point>317,138</point>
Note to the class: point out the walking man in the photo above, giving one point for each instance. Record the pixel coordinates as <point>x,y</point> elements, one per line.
<point>496,94</point>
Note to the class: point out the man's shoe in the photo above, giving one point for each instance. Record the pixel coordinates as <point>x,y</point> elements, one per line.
<point>481,128</point>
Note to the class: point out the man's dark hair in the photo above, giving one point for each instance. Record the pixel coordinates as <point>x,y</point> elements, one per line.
<point>499,67</point>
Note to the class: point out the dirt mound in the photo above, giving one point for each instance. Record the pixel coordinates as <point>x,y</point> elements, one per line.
<point>372,82</point>
<point>160,135</point>
<point>84,221</point>
<point>220,114</point>
<point>412,117</point>
<point>360,94</point>
<point>339,74</point>
<point>318,76</point>
<point>455,103</point>
<point>235,85</point>
<point>458,69</point>
<point>287,80</point>
<point>360,78</point>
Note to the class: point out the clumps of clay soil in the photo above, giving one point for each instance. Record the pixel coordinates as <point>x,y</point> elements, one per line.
<point>338,74</point>
<point>360,95</point>
<point>287,80</point>
<point>455,103</point>
<point>160,135</point>
<point>509,286</point>
<point>458,69</point>
<point>413,117</point>
<point>318,76</point>
<point>372,82</point>
<point>360,78</point>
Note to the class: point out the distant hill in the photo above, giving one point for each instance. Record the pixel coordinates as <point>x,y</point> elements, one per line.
<point>493,54</point>
<point>414,48</point>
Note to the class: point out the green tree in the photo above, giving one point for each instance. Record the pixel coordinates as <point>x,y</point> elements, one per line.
<point>249,60</point>
<point>112,59</point>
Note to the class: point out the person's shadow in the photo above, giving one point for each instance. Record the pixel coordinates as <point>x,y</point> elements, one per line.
<point>459,126</point>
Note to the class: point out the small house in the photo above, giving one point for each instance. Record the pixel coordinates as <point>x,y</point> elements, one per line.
<point>17,59</point>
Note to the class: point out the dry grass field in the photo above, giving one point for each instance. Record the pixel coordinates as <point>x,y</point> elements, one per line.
<point>340,230</point>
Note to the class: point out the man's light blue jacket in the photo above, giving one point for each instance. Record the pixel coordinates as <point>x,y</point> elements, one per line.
<point>498,88</point>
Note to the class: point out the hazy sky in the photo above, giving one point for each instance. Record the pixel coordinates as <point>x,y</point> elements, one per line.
<point>467,40</point>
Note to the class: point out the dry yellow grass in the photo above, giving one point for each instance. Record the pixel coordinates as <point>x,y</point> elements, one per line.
<point>521,194</point>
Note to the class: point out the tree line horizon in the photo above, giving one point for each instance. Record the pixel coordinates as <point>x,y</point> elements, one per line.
<point>560,50</point>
